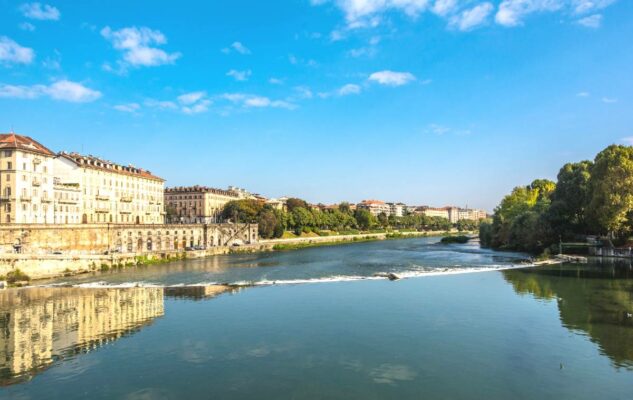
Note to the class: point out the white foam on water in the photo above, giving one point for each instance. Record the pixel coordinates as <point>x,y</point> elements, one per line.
<point>417,273</point>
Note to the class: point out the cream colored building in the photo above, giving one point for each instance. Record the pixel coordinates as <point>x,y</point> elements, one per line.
<point>26,180</point>
<point>375,207</point>
<point>114,193</point>
<point>39,187</point>
<point>199,204</point>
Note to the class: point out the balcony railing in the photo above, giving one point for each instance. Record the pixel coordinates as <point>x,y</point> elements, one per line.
<point>36,182</point>
<point>102,210</point>
<point>127,199</point>
<point>46,200</point>
<point>102,197</point>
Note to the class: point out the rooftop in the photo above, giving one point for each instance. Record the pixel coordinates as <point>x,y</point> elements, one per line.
<point>13,141</point>
<point>90,161</point>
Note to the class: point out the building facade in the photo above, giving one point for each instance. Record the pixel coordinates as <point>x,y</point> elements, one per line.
<point>200,204</point>
<point>38,186</point>
<point>26,180</point>
<point>375,207</point>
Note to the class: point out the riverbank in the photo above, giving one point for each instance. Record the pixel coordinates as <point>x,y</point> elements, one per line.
<point>48,266</point>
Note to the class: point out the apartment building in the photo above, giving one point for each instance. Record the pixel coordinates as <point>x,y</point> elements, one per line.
<point>200,204</point>
<point>375,207</point>
<point>38,186</point>
<point>26,180</point>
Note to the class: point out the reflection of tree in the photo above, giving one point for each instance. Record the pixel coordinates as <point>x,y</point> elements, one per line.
<point>38,326</point>
<point>596,299</point>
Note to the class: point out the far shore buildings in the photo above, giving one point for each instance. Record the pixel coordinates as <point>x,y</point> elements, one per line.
<point>38,186</point>
<point>453,214</point>
<point>200,204</point>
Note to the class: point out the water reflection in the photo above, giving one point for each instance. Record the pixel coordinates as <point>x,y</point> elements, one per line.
<point>40,326</point>
<point>594,299</point>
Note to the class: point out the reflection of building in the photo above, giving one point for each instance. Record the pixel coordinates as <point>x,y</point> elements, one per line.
<point>41,324</point>
<point>200,204</point>
<point>199,292</point>
<point>39,186</point>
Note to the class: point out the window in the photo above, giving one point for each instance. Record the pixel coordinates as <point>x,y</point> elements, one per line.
<point>7,153</point>
<point>9,165</point>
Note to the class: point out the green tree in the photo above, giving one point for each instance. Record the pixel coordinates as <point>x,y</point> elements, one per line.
<point>243,211</point>
<point>611,187</point>
<point>570,200</point>
<point>293,203</point>
<point>364,219</point>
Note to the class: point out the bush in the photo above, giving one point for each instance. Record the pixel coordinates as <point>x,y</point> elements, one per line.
<point>17,276</point>
<point>455,239</point>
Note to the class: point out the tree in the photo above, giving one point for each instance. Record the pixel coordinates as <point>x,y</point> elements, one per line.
<point>383,220</point>
<point>364,219</point>
<point>303,220</point>
<point>611,187</point>
<point>293,203</point>
<point>570,200</point>
<point>268,223</point>
<point>344,207</point>
<point>245,211</point>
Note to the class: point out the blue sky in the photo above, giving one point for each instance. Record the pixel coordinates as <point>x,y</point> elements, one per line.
<point>420,101</point>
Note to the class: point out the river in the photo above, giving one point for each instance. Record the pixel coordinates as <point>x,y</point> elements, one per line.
<point>319,323</point>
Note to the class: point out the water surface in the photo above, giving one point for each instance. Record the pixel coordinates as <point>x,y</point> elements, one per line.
<point>542,333</point>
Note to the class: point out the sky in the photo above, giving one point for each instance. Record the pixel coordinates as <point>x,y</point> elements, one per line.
<point>427,102</point>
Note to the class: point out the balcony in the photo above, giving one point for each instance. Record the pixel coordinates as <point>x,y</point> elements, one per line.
<point>104,197</point>
<point>36,182</point>
<point>5,198</point>
<point>67,201</point>
<point>25,198</point>
<point>46,200</point>
<point>102,210</point>
<point>127,199</point>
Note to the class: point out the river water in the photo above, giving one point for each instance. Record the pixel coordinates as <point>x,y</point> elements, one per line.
<point>320,324</point>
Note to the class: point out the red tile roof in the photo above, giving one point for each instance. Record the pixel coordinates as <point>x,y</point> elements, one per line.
<point>12,141</point>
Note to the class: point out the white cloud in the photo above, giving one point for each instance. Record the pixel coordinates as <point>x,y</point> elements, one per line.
<point>72,91</point>
<point>27,26</point>
<point>392,78</point>
<point>362,52</point>
<point>363,13</point>
<point>62,90</point>
<point>13,53</point>
<point>276,81</point>
<point>582,94</point>
<point>348,89</point>
<point>199,107</point>
<point>464,15</point>
<point>239,75</point>
<point>40,11</point>
<point>129,107</point>
<point>236,47</point>
<point>444,7</point>
<point>190,98</point>
<point>255,101</point>
<point>162,105</point>
<point>609,100</point>
<point>627,140</point>
<point>471,18</point>
<point>592,21</point>
<point>512,12</point>
<point>194,102</point>
<point>440,130</point>
<point>136,45</point>
<point>304,92</point>
<point>587,6</point>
